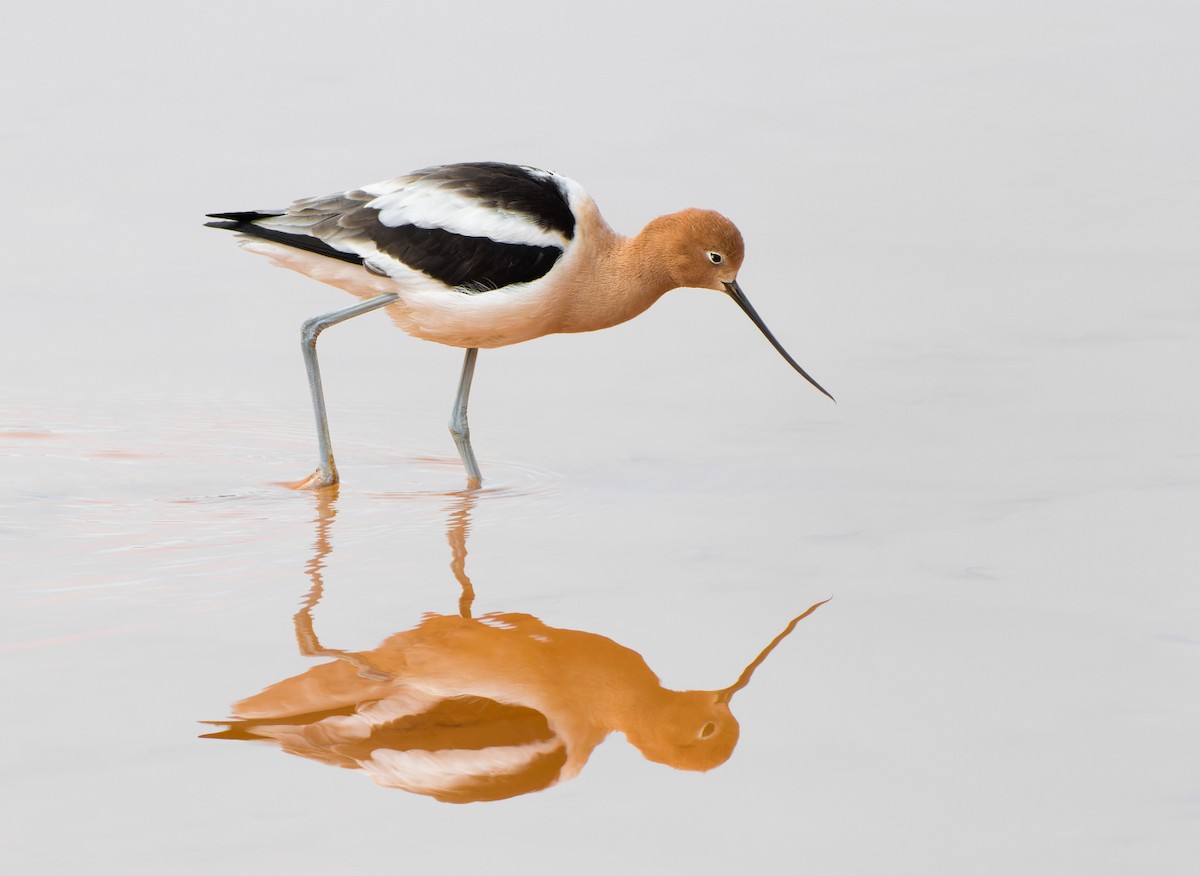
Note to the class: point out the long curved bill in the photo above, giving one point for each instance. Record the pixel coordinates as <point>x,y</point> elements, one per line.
<point>726,695</point>
<point>736,293</point>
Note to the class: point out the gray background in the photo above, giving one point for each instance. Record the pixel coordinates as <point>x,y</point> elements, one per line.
<point>974,223</point>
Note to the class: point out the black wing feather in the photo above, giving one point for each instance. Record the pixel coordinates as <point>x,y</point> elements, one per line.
<point>244,223</point>
<point>477,264</point>
<point>473,264</point>
<point>497,186</point>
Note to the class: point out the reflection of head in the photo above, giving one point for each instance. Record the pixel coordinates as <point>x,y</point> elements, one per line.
<point>692,731</point>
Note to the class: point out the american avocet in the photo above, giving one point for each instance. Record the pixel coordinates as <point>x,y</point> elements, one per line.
<point>467,708</point>
<point>474,709</point>
<point>484,255</point>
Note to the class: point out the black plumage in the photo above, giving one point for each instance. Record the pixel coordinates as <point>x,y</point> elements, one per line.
<point>476,264</point>
<point>497,186</point>
<point>244,223</point>
<point>338,224</point>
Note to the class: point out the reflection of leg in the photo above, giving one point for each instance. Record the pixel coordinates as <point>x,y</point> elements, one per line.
<point>456,534</point>
<point>326,473</point>
<point>310,645</point>
<point>306,634</point>
<point>458,421</point>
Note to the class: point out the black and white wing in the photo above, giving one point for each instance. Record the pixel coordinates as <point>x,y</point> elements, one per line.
<point>472,227</point>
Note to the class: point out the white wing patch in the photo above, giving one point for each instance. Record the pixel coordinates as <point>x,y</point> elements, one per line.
<point>428,204</point>
<point>497,622</point>
<point>430,772</point>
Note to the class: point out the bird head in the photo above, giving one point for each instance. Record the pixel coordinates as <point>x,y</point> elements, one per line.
<point>705,251</point>
<point>690,730</point>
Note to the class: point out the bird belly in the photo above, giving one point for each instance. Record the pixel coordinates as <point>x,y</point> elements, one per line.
<point>428,309</point>
<point>490,319</point>
<point>349,276</point>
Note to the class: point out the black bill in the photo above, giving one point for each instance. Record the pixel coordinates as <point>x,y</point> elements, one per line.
<point>736,293</point>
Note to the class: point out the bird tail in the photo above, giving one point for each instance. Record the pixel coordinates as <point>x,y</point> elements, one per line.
<point>236,221</point>
<point>247,223</point>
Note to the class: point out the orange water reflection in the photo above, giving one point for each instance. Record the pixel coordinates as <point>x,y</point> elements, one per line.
<point>468,709</point>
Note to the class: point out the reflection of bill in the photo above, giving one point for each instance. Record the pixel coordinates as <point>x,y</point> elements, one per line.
<point>468,709</point>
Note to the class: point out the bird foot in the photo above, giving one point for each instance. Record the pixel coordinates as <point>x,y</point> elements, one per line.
<point>318,480</point>
<point>370,673</point>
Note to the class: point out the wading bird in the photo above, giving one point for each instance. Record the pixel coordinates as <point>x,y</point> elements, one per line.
<point>484,255</point>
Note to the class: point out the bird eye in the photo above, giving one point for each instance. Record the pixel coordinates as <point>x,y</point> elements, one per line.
<point>716,258</point>
<point>708,730</point>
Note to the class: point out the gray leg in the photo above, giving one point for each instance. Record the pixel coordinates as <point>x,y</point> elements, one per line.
<point>326,473</point>
<point>458,421</point>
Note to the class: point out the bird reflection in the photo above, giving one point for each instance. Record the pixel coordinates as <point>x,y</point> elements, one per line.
<point>468,709</point>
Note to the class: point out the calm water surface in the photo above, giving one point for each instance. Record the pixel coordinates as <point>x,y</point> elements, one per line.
<point>975,229</point>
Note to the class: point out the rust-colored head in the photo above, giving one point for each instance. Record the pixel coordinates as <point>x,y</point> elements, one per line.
<point>700,249</point>
<point>690,730</point>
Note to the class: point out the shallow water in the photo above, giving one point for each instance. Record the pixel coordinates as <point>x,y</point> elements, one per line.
<point>974,228</point>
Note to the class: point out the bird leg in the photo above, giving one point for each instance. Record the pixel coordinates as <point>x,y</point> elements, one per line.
<point>458,421</point>
<point>326,473</point>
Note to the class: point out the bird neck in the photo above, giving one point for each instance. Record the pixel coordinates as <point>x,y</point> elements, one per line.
<point>627,275</point>
<point>650,257</point>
